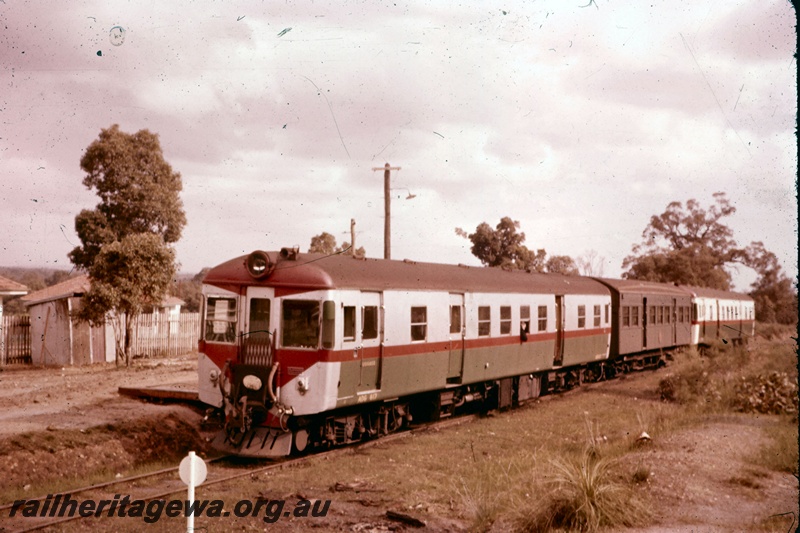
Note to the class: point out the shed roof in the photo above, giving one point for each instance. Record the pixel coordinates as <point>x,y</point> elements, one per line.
<point>71,287</point>
<point>320,272</point>
<point>9,287</point>
<point>76,286</point>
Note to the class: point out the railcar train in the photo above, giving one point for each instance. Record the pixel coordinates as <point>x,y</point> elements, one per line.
<point>307,350</point>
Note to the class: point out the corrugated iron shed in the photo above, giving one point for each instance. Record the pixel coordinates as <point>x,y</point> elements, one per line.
<point>76,286</point>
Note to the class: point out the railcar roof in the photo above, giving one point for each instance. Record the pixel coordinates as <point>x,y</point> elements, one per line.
<point>640,286</point>
<point>705,292</point>
<point>320,272</point>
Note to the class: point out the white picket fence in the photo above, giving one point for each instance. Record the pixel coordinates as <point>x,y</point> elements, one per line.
<point>154,335</point>
<point>162,335</point>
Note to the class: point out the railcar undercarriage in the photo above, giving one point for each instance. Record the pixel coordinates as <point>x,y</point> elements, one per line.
<point>258,425</point>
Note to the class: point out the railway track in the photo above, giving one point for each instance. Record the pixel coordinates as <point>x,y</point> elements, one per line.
<point>163,483</point>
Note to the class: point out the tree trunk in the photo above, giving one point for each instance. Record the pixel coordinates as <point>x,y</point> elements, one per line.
<point>128,334</point>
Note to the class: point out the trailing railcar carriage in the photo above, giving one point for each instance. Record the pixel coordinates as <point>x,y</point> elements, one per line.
<point>721,315</point>
<point>306,349</point>
<point>648,318</point>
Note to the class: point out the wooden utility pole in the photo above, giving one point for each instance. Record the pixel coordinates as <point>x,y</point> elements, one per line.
<point>353,237</point>
<point>387,207</point>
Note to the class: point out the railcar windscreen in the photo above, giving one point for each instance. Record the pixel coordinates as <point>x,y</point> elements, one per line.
<point>220,323</point>
<point>300,324</point>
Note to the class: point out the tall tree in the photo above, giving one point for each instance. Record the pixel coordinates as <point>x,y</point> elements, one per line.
<point>688,245</point>
<point>775,295</point>
<point>128,276</point>
<point>325,243</point>
<point>562,264</point>
<point>504,246</point>
<point>693,246</point>
<point>126,238</point>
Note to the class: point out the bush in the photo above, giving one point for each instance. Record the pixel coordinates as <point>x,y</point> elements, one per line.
<point>773,393</point>
<point>689,385</point>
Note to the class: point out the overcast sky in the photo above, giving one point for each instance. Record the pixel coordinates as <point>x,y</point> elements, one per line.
<point>579,121</point>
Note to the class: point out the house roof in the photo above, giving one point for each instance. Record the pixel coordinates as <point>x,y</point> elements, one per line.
<point>9,287</point>
<point>72,287</point>
<point>76,286</point>
<point>169,301</point>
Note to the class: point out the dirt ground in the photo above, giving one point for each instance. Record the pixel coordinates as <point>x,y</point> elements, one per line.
<point>37,399</point>
<point>700,478</point>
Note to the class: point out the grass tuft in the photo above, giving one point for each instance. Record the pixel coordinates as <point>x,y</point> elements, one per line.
<point>583,494</point>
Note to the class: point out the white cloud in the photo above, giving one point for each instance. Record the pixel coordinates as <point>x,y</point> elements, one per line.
<point>581,123</point>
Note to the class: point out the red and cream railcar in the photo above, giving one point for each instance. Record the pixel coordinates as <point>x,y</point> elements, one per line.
<point>305,349</point>
<point>721,315</point>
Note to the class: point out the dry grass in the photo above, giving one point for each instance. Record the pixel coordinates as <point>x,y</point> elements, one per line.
<point>584,494</point>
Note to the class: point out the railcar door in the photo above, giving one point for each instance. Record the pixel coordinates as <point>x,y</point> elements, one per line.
<point>256,340</point>
<point>674,317</point>
<point>558,357</point>
<point>644,322</point>
<point>371,346</point>
<point>457,331</point>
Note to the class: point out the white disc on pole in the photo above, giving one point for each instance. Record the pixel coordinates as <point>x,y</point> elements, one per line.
<point>193,470</point>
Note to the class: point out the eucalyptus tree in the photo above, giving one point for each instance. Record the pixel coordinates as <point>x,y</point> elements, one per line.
<point>126,240</point>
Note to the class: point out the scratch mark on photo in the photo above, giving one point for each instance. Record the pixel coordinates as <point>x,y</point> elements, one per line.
<point>320,93</point>
<point>710,88</point>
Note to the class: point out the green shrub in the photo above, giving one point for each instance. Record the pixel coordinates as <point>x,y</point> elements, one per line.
<point>773,393</point>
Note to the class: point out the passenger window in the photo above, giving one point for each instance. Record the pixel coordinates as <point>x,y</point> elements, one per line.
<point>635,315</point>
<point>349,333</point>
<point>597,316</point>
<point>455,319</point>
<point>581,316</point>
<point>525,317</point>
<point>626,316</point>
<point>505,320</point>
<point>484,321</point>
<point>300,323</point>
<point>419,323</point>
<point>542,318</point>
<point>369,322</point>
<point>221,319</point>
